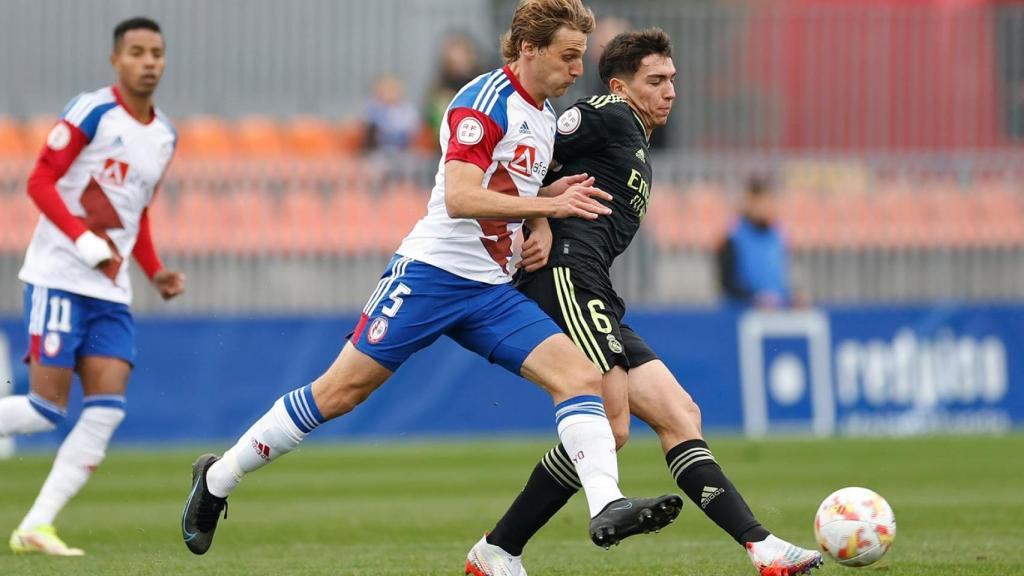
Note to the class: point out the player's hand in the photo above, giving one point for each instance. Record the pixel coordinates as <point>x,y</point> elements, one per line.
<point>581,201</point>
<point>559,186</point>
<point>93,250</point>
<point>537,247</point>
<point>169,284</point>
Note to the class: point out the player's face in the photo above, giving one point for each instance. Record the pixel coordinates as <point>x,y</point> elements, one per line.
<point>139,61</point>
<point>651,90</point>
<point>560,63</point>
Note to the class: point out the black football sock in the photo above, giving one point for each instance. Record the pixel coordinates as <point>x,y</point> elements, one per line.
<point>701,478</point>
<point>553,482</point>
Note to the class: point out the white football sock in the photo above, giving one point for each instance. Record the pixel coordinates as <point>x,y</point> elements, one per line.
<point>82,451</point>
<point>277,433</point>
<point>587,437</point>
<point>27,415</point>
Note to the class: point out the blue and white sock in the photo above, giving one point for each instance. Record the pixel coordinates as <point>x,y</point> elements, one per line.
<point>80,454</point>
<point>28,415</point>
<point>277,433</point>
<point>587,438</point>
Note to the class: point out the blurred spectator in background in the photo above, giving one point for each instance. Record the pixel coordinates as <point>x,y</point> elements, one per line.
<point>391,121</point>
<point>459,64</point>
<point>753,260</point>
<point>607,28</point>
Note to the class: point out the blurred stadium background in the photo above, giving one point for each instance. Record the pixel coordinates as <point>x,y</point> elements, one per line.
<point>894,130</point>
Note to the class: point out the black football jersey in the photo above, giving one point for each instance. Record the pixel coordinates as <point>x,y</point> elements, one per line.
<point>604,138</point>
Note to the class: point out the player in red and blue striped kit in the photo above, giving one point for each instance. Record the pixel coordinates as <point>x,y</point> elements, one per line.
<point>451,276</point>
<point>93,182</point>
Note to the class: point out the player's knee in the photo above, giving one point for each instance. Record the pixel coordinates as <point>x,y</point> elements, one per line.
<point>48,414</point>
<point>586,379</point>
<point>693,410</point>
<point>688,425</point>
<point>340,397</point>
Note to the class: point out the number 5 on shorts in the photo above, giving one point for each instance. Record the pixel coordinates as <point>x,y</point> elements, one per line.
<point>396,300</point>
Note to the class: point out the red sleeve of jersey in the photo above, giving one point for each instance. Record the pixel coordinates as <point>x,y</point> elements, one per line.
<point>144,251</point>
<point>474,135</point>
<point>62,147</point>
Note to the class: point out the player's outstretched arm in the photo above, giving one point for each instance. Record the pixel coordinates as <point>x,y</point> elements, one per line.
<point>465,197</point>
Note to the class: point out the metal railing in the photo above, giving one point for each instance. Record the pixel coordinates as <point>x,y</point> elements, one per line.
<point>309,235</point>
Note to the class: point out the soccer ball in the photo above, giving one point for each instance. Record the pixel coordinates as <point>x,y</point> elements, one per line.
<point>854,526</point>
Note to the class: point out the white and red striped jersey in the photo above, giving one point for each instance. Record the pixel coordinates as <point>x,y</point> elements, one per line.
<point>493,123</point>
<point>98,171</point>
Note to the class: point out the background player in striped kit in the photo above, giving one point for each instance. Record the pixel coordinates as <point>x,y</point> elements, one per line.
<point>607,137</point>
<point>450,276</point>
<point>93,182</point>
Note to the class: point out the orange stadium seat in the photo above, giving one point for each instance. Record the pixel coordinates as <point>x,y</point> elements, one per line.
<point>948,213</point>
<point>198,219</point>
<point>203,137</point>
<point>844,215</point>
<point>399,207</point>
<point>352,221</point>
<point>664,215</point>
<point>259,136</point>
<point>250,224</point>
<point>1002,212</point>
<point>426,140</point>
<point>161,219</point>
<point>800,213</point>
<point>310,136</point>
<point>35,132</point>
<point>706,215</point>
<point>902,222</point>
<point>303,222</point>
<point>11,142</point>
<point>18,217</point>
<point>350,136</point>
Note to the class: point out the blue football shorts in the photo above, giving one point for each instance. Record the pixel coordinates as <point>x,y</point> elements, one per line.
<point>415,303</point>
<point>63,326</point>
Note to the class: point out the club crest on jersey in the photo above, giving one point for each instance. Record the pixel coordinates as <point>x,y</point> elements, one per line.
<point>59,137</point>
<point>114,172</point>
<point>569,121</point>
<point>378,328</point>
<point>523,160</point>
<point>51,344</point>
<point>470,131</point>
<point>614,345</point>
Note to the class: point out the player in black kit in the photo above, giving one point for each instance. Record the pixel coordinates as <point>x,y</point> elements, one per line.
<point>565,268</point>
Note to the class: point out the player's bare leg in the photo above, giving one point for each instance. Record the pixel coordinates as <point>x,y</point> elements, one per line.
<point>104,381</point>
<point>656,397</point>
<point>43,408</point>
<point>615,387</point>
<point>555,480</point>
<point>351,379</point>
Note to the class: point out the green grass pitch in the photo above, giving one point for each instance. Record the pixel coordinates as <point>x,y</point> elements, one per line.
<point>415,509</point>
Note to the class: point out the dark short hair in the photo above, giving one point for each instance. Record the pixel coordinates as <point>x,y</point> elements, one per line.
<point>622,56</point>
<point>137,23</point>
<point>759,185</point>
